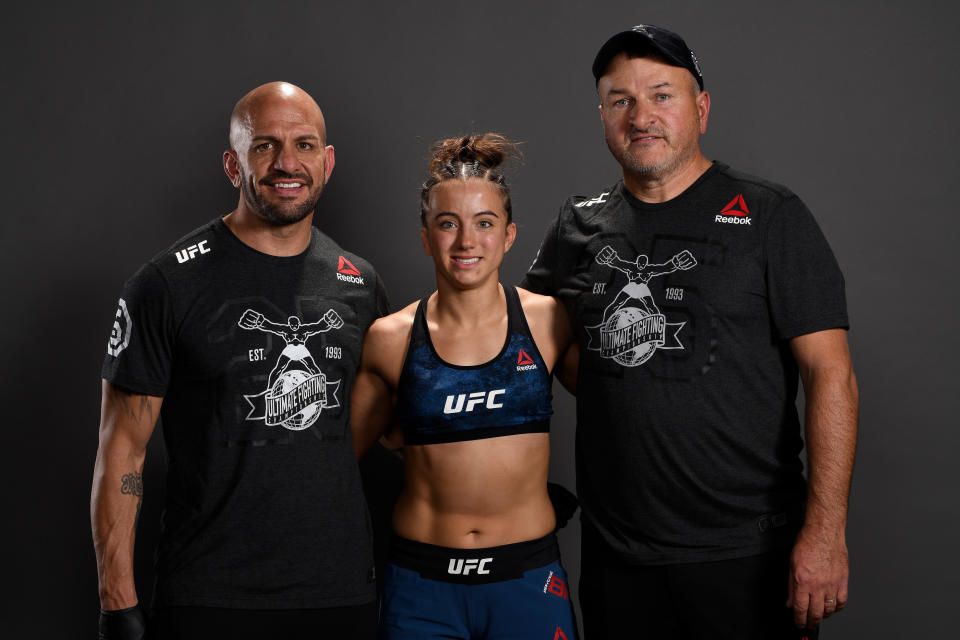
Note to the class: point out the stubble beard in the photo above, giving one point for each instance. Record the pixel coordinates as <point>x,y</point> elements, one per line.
<point>632,163</point>
<point>280,215</point>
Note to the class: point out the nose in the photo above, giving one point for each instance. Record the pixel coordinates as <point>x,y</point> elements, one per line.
<point>286,159</point>
<point>467,237</point>
<point>641,115</point>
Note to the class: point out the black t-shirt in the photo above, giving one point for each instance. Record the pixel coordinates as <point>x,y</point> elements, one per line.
<point>254,356</point>
<point>688,439</point>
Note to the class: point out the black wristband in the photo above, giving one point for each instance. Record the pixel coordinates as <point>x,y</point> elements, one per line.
<point>122,624</point>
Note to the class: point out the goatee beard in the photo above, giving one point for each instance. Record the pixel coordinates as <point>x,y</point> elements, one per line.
<point>633,165</point>
<point>278,214</point>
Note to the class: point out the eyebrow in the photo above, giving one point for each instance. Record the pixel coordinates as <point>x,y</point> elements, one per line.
<point>478,213</point>
<point>306,136</point>
<point>626,92</point>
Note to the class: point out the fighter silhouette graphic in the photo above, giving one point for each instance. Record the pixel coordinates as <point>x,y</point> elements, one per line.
<point>633,328</point>
<point>297,391</point>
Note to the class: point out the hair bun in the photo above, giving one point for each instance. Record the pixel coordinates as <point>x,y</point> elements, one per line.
<point>469,157</point>
<point>488,150</point>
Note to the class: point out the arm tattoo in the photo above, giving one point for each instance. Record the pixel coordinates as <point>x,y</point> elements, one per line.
<point>138,413</point>
<point>132,484</point>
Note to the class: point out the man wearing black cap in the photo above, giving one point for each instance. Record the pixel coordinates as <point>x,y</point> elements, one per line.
<point>697,520</point>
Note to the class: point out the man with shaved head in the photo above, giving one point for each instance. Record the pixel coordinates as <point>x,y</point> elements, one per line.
<point>245,337</point>
<point>287,105</point>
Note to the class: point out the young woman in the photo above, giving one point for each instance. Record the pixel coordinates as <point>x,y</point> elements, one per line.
<point>466,375</point>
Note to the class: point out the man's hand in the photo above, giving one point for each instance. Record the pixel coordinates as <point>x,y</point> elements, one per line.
<point>684,260</point>
<point>334,321</point>
<point>819,573</point>
<point>250,319</point>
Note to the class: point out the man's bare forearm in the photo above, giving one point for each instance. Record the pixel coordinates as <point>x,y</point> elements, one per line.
<point>819,562</point>
<point>832,404</point>
<point>127,420</point>
<point>114,515</point>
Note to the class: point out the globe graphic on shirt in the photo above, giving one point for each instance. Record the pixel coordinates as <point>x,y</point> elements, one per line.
<point>624,318</point>
<point>287,381</point>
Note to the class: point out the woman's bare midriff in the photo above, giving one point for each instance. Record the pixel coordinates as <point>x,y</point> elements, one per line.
<point>476,493</point>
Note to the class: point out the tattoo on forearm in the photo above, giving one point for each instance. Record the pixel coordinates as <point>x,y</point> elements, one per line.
<point>132,484</point>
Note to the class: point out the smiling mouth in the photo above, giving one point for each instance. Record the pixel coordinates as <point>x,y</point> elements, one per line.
<point>466,260</point>
<point>288,182</point>
<point>286,190</point>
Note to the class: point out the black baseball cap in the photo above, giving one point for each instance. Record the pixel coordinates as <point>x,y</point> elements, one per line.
<point>646,36</point>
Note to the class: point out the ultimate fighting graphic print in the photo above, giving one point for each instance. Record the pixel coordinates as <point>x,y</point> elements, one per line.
<point>633,328</point>
<point>297,391</point>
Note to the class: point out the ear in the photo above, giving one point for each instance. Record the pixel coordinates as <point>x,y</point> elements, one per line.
<point>703,110</point>
<point>328,163</point>
<point>231,166</point>
<point>423,240</point>
<point>511,236</point>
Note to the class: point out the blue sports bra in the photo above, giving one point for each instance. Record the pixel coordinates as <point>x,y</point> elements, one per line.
<point>441,402</point>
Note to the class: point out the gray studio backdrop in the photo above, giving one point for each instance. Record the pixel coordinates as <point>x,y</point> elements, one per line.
<point>115,119</point>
